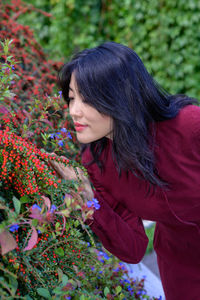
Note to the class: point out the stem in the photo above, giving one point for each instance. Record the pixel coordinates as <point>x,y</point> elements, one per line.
<point>7,288</point>
<point>84,227</point>
<point>5,270</point>
<point>58,243</point>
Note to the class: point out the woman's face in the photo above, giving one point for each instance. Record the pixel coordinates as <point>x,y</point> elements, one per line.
<point>90,125</point>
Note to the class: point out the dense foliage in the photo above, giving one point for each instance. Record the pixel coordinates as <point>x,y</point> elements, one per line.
<point>47,251</point>
<point>165,33</point>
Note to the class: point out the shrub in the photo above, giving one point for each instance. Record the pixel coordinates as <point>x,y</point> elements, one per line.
<point>47,250</point>
<point>165,34</point>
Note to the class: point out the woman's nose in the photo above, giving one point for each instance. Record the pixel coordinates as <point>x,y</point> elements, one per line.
<point>75,109</point>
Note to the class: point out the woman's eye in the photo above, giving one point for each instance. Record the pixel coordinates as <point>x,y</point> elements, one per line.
<point>70,99</point>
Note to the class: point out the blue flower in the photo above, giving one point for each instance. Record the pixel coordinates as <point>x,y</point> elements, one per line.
<point>69,135</point>
<point>94,202</point>
<point>128,281</point>
<point>64,130</point>
<point>60,93</point>
<point>116,270</point>
<point>53,207</point>
<point>89,204</point>
<point>38,231</point>
<point>88,244</point>
<point>36,206</point>
<point>52,135</point>
<point>14,228</point>
<point>57,134</point>
<point>106,256</point>
<point>13,68</point>
<point>60,143</point>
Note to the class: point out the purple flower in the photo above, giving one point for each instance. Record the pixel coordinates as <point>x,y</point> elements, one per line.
<point>13,68</point>
<point>14,228</point>
<point>60,93</point>
<point>52,135</point>
<point>60,143</point>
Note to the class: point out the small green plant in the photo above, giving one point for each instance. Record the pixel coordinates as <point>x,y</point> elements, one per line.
<point>150,234</point>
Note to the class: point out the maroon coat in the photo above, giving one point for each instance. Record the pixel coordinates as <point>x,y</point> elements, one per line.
<point>124,202</point>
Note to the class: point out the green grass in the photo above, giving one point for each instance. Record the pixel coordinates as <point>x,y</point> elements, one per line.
<point>150,233</point>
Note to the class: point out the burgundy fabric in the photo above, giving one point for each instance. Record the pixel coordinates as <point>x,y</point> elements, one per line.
<point>125,201</point>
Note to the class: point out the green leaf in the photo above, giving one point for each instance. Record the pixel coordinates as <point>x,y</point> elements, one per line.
<point>60,252</point>
<point>60,274</point>
<point>106,291</point>
<point>13,282</point>
<point>57,225</point>
<point>58,291</point>
<point>17,204</point>
<point>118,289</point>
<point>24,199</point>
<point>27,297</point>
<point>64,279</point>
<point>44,293</point>
<point>76,223</point>
<point>34,222</point>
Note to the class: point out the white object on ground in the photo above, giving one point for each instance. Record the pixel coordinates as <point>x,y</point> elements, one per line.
<point>147,223</point>
<point>152,283</point>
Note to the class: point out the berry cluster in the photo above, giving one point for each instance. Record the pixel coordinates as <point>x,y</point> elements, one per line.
<point>24,166</point>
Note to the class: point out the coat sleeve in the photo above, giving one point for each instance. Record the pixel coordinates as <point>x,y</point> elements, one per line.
<point>119,230</point>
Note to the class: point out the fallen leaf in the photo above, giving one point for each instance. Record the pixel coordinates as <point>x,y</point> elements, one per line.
<point>33,240</point>
<point>7,242</point>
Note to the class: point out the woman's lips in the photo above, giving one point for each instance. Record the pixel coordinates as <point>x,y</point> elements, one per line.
<point>79,127</point>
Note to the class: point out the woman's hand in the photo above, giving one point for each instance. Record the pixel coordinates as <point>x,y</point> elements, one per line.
<point>68,173</point>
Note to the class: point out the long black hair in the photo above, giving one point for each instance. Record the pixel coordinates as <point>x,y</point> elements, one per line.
<point>113,79</point>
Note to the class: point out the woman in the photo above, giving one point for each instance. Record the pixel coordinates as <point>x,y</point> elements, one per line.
<point>142,153</point>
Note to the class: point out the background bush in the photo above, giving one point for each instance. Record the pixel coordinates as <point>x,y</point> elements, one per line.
<point>164,33</point>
